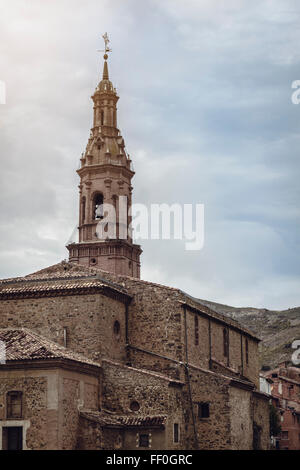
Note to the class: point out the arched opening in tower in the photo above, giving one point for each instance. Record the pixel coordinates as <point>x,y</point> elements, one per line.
<point>98,206</point>
<point>83,210</point>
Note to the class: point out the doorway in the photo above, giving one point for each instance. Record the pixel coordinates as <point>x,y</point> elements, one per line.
<point>12,438</point>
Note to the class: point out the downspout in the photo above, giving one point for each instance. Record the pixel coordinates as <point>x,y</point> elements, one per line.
<point>188,380</point>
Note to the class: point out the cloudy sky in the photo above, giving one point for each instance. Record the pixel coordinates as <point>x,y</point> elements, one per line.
<point>205,109</point>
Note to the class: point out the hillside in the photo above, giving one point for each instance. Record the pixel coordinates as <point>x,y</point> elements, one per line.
<point>277,329</point>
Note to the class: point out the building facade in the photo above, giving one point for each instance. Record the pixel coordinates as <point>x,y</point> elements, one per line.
<point>285,391</point>
<point>98,359</point>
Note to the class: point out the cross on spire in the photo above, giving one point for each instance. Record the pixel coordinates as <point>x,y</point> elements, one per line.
<point>106,47</point>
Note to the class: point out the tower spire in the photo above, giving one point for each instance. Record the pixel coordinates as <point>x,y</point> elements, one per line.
<point>105,75</point>
<point>105,57</point>
<point>105,182</point>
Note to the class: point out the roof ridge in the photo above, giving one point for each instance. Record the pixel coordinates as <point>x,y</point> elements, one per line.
<point>143,371</point>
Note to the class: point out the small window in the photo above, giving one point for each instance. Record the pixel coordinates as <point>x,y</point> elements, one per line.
<point>226,342</point>
<point>134,406</point>
<point>144,440</point>
<point>203,410</point>
<point>14,405</point>
<point>274,376</point>
<point>176,433</point>
<point>284,434</point>
<point>247,351</point>
<point>196,331</point>
<point>117,328</point>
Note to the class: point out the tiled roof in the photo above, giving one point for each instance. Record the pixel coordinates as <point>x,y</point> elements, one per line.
<point>59,284</point>
<point>23,345</point>
<point>49,286</point>
<point>107,419</point>
<point>67,270</point>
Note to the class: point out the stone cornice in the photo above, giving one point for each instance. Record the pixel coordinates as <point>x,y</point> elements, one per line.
<point>33,291</point>
<point>47,364</point>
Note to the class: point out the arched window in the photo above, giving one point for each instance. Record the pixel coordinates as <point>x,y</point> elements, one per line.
<point>134,406</point>
<point>226,342</point>
<point>117,328</point>
<point>98,206</point>
<point>102,117</point>
<point>83,209</point>
<point>116,208</point>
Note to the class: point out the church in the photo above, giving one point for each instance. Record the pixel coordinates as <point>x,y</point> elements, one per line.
<point>97,359</point>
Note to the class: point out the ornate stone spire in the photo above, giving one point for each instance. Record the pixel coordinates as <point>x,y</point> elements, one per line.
<point>105,178</point>
<point>105,69</point>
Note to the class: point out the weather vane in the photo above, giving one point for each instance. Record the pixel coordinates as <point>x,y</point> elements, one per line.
<point>107,49</point>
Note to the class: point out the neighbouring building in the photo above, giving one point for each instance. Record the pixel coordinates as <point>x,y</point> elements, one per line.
<point>265,384</point>
<point>285,391</point>
<point>97,358</point>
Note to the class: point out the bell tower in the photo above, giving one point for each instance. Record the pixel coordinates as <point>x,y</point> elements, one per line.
<point>105,191</point>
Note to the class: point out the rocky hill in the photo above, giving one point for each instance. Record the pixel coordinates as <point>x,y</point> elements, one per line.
<point>277,329</point>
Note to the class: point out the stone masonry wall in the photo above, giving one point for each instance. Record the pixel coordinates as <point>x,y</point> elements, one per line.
<point>261,415</point>
<point>153,393</point>
<point>214,431</point>
<point>241,425</point>
<point>89,320</point>
<point>34,405</point>
<point>51,400</point>
<point>156,323</point>
<point>75,391</point>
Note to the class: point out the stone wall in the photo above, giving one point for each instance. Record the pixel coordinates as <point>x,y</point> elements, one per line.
<point>89,320</point>
<point>156,323</point>
<point>51,399</point>
<point>154,394</point>
<point>261,414</point>
<point>241,424</point>
<point>34,402</point>
<point>214,431</point>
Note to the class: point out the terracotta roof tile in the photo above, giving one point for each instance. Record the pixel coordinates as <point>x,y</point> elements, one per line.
<point>23,345</point>
<point>64,286</point>
<point>107,419</point>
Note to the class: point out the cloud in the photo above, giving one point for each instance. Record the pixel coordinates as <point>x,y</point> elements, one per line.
<point>205,109</point>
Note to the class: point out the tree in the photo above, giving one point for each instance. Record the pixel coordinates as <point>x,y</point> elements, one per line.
<point>275,426</point>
